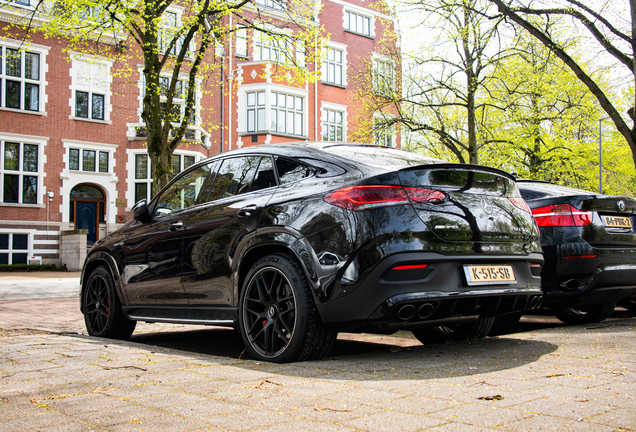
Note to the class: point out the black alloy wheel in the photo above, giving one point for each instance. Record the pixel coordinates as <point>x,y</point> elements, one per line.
<point>584,315</point>
<point>102,310</point>
<point>278,319</point>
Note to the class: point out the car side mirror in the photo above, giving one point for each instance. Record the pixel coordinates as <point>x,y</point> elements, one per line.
<point>140,211</point>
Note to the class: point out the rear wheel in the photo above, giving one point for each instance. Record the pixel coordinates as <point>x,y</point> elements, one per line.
<point>474,330</point>
<point>278,319</point>
<point>505,324</point>
<point>584,315</point>
<point>102,309</point>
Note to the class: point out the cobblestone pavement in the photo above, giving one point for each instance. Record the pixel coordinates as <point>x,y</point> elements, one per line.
<point>568,378</point>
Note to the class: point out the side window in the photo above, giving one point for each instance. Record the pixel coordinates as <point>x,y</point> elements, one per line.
<point>235,177</point>
<point>289,171</point>
<point>265,176</point>
<point>183,193</point>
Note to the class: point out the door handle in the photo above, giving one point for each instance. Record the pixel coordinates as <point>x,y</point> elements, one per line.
<point>247,210</point>
<point>176,226</point>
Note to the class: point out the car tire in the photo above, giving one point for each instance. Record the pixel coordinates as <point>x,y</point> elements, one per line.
<point>474,330</point>
<point>278,319</point>
<point>505,324</point>
<point>629,304</point>
<point>586,315</point>
<point>102,309</point>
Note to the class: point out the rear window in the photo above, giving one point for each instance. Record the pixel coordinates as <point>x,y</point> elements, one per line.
<point>530,191</point>
<point>382,157</point>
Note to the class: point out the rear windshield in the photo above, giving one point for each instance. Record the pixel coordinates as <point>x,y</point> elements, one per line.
<point>382,157</point>
<point>530,191</point>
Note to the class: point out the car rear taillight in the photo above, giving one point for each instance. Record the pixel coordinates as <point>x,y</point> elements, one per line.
<point>561,215</point>
<point>520,203</point>
<point>359,198</point>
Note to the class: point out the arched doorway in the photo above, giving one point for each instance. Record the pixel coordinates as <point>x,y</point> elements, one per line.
<point>88,209</point>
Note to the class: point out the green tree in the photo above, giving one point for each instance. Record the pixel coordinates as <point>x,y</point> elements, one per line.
<point>611,30</point>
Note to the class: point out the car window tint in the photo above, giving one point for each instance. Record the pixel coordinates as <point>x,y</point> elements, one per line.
<point>289,171</point>
<point>234,177</point>
<point>183,193</point>
<point>207,183</point>
<point>265,177</point>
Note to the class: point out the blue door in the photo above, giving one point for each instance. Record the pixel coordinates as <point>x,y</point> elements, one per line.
<point>86,218</point>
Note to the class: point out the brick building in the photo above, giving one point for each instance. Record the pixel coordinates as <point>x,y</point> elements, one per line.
<point>72,139</point>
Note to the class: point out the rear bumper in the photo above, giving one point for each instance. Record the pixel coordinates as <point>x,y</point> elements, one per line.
<point>609,277</point>
<point>439,294</point>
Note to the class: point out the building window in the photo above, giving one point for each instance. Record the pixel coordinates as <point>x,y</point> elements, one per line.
<point>91,86</point>
<point>357,23</point>
<point>332,67</point>
<point>176,163</point>
<point>241,42</point>
<point>143,177</point>
<point>167,31</point>
<point>256,111</point>
<point>271,47</point>
<point>20,79</point>
<point>14,248</point>
<point>332,125</point>
<point>87,103</point>
<point>383,132</point>
<point>87,159</point>
<point>383,80</point>
<point>20,162</point>
<point>276,4</point>
<point>178,101</point>
<point>21,2</point>
<point>286,114</point>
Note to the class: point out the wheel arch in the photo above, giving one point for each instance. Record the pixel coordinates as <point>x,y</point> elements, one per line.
<point>98,260</point>
<point>286,244</point>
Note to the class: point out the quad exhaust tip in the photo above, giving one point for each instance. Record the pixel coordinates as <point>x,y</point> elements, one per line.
<point>407,312</point>
<point>536,302</point>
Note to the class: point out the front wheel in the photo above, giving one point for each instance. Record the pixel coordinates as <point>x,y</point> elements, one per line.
<point>474,330</point>
<point>585,315</point>
<point>102,309</point>
<point>278,319</point>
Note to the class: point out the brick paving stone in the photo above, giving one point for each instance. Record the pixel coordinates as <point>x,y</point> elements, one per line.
<point>565,378</point>
<point>390,421</point>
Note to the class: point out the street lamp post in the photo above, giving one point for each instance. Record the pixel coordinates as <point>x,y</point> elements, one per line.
<point>600,154</point>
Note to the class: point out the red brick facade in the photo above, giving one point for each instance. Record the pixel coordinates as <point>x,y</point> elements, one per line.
<point>65,143</point>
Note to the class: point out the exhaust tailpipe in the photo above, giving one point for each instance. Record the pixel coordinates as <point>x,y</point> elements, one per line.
<point>425,311</point>
<point>406,312</point>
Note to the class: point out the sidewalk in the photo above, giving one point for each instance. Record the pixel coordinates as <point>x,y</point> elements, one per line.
<point>38,285</point>
<point>569,378</point>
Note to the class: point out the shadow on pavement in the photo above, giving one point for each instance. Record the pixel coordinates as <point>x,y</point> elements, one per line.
<point>412,362</point>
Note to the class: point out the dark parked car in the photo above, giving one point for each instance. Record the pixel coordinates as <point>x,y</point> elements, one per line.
<point>292,243</point>
<point>589,245</point>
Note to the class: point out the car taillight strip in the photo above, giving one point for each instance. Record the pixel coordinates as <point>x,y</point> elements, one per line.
<point>561,215</point>
<point>579,257</point>
<point>364,197</point>
<point>410,267</point>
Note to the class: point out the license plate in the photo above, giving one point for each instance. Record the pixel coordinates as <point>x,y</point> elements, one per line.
<point>489,275</point>
<point>617,221</point>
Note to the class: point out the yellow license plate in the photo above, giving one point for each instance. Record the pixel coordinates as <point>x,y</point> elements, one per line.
<point>489,275</point>
<point>617,221</point>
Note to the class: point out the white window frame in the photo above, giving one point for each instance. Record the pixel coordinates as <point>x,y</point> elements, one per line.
<point>325,107</point>
<point>387,137</point>
<point>379,80</point>
<point>23,139</point>
<point>92,75</point>
<point>327,63</point>
<point>42,52</point>
<point>359,12</point>
<point>167,31</point>
<point>269,90</point>
<point>131,169</point>
<point>10,251</point>
<point>273,4</point>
